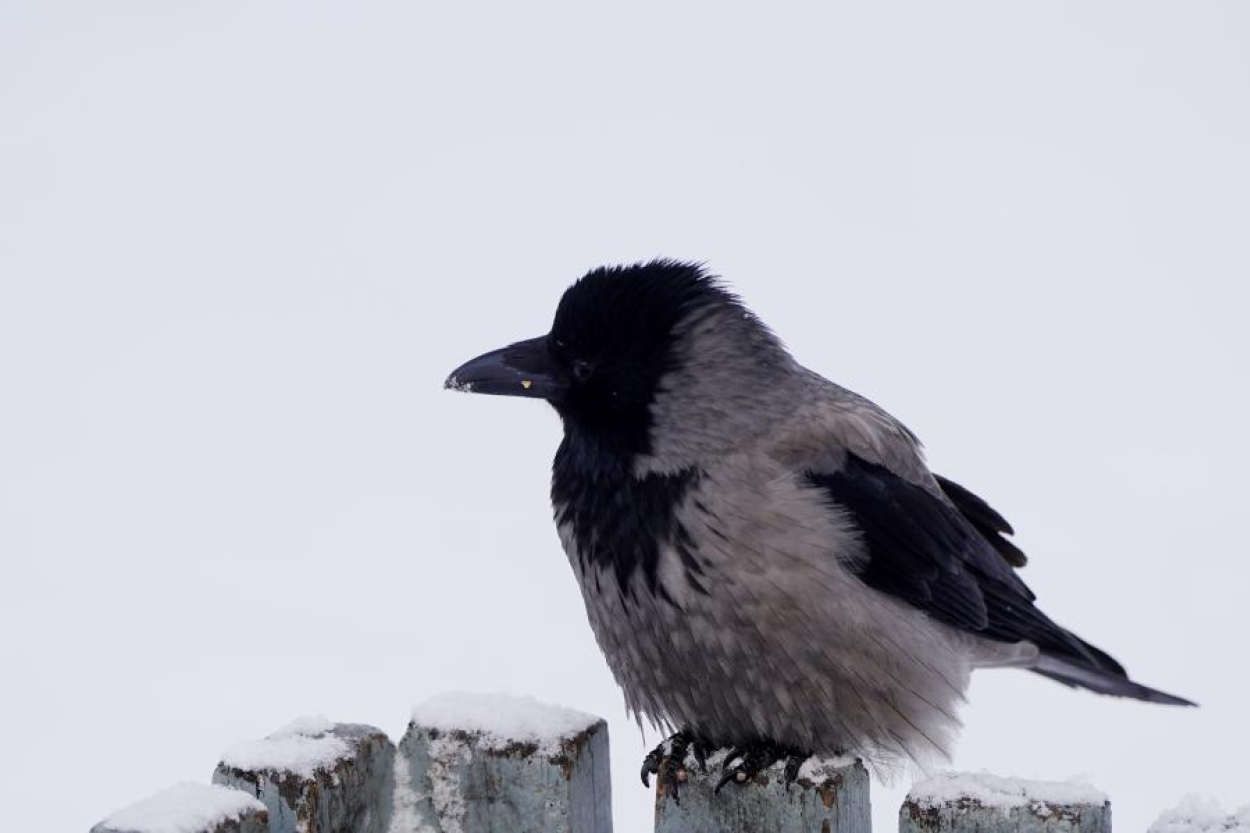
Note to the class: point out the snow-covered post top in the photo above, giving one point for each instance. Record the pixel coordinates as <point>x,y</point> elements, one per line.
<point>982,803</point>
<point>1199,815</point>
<point>190,808</point>
<point>494,762</point>
<point>830,795</point>
<point>316,776</point>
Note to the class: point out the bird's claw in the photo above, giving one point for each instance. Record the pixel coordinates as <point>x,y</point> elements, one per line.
<point>745,762</point>
<point>794,761</point>
<point>668,761</point>
<point>742,764</point>
<point>751,761</point>
<point>700,750</point>
<point>651,764</point>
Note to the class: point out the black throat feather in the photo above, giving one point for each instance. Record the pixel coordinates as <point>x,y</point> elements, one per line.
<point>620,521</point>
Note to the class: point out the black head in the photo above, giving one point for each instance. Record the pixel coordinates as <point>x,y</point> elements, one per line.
<point>613,333</point>
<point>610,344</point>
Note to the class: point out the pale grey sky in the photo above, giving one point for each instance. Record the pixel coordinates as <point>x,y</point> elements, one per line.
<point>241,245</point>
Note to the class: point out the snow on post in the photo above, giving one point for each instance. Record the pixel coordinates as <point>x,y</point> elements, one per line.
<point>315,776</point>
<point>829,796</point>
<point>1201,815</point>
<point>982,803</point>
<point>478,762</point>
<point>190,808</point>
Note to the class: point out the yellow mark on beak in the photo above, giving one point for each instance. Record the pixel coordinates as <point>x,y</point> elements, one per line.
<point>525,383</point>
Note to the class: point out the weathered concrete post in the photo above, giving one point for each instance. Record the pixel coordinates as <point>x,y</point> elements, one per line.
<point>475,763</point>
<point>983,803</point>
<point>315,776</point>
<point>829,796</point>
<point>191,808</point>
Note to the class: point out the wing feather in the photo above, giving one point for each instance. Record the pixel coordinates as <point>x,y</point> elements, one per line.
<point>923,551</point>
<point>982,516</point>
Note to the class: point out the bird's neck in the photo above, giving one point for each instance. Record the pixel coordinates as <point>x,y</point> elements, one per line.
<point>596,453</point>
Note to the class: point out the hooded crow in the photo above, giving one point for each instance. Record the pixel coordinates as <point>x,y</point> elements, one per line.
<point>766,560</point>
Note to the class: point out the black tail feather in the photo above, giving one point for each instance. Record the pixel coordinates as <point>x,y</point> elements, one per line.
<point>1104,682</point>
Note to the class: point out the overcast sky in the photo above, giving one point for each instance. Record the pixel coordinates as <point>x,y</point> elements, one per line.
<point>241,245</point>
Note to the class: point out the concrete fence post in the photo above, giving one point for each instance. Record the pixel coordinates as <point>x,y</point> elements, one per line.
<point>190,808</point>
<point>474,763</point>
<point>983,803</point>
<point>314,776</point>
<point>829,796</point>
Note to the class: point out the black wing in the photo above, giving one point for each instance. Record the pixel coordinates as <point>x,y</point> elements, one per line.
<point>982,516</point>
<point>938,559</point>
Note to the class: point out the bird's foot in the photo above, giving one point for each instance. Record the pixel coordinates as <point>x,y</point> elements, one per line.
<point>668,761</point>
<point>745,762</point>
<point>794,761</point>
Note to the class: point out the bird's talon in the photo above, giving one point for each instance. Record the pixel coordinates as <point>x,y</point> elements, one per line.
<point>700,754</point>
<point>651,765</point>
<point>754,759</point>
<point>794,761</point>
<point>668,761</point>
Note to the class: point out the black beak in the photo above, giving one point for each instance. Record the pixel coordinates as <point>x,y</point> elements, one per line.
<point>522,369</point>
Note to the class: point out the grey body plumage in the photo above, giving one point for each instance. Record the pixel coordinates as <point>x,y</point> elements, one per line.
<point>765,556</point>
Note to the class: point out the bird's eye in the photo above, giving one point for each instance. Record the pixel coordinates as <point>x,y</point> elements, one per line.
<point>582,370</point>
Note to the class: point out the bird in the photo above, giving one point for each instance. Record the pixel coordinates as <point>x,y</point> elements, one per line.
<point>767,562</point>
